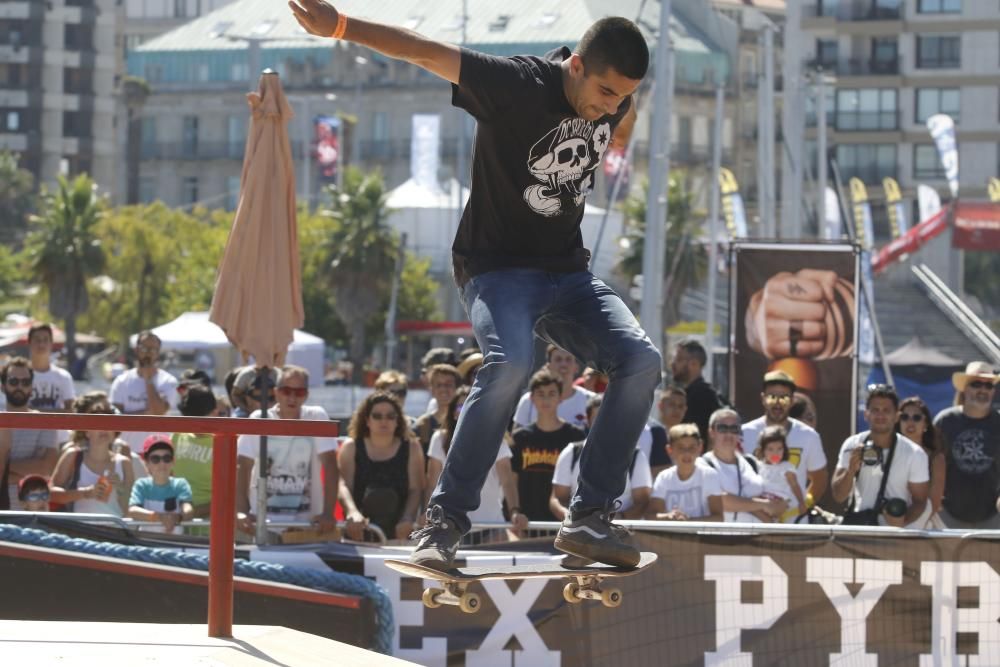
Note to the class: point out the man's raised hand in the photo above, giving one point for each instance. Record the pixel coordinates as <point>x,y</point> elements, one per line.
<point>316,17</point>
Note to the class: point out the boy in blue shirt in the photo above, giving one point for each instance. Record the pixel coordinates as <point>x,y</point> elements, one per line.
<point>160,497</point>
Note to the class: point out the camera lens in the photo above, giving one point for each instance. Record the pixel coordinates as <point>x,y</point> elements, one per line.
<point>871,455</point>
<point>895,507</point>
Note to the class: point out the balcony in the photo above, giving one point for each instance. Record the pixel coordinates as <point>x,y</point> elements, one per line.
<point>866,121</point>
<point>868,67</point>
<point>166,150</point>
<point>855,10</point>
<point>870,174</point>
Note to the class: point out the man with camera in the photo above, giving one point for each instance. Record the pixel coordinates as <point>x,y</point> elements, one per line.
<point>885,475</point>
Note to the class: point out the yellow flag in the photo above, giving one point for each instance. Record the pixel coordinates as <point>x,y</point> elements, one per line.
<point>994,189</point>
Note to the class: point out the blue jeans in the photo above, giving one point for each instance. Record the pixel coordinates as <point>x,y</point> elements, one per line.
<point>580,314</point>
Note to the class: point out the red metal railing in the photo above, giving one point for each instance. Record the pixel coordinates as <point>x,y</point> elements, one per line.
<point>224,431</point>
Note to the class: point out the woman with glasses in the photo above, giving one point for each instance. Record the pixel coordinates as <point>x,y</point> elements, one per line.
<point>93,475</point>
<point>914,422</point>
<point>738,475</point>
<point>382,470</point>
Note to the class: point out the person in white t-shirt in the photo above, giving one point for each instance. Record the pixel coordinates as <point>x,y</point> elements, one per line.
<point>805,448</point>
<point>688,491</point>
<point>865,457</point>
<point>638,482</point>
<point>777,472</point>
<point>144,390</point>
<point>573,400</point>
<point>52,389</point>
<point>500,482</point>
<point>302,474</point>
<point>741,482</point>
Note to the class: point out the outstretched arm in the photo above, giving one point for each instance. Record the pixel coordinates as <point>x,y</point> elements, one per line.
<point>318,17</point>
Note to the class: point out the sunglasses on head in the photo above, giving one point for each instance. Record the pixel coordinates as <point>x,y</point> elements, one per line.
<point>728,428</point>
<point>160,458</point>
<point>37,496</point>
<point>14,382</point>
<point>397,391</point>
<point>382,416</point>
<point>975,384</point>
<point>904,417</point>
<point>298,392</point>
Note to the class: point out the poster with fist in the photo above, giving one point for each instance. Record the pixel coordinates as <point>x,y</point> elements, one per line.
<point>794,308</point>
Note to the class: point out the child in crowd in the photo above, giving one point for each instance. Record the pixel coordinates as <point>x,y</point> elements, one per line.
<point>689,490</point>
<point>778,473</point>
<point>160,497</point>
<point>33,492</point>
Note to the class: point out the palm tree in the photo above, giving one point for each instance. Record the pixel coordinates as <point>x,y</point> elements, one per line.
<point>362,253</point>
<point>135,92</point>
<point>686,260</point>
<point>64,252</point>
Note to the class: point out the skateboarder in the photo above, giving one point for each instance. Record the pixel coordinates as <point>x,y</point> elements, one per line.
<point>519,261</point>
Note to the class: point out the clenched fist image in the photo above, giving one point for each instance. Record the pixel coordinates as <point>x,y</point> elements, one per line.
<point>807,314</point>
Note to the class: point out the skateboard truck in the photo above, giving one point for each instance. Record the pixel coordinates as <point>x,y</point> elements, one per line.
<point>453,593</point>
<point>588,587</point>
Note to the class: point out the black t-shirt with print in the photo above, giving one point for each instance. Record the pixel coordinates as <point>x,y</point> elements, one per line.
<point>533,164</point>
<point>534,456</point>
<point>972,463</point>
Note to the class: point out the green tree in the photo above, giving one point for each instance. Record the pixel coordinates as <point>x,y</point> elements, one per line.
<point>17,198</point>
<point>64,251</point>
<point>686,260</point>
<point>360,255</point>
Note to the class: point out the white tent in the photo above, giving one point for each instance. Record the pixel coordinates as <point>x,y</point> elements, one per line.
<point>429,218</point>
<point>193,332</point>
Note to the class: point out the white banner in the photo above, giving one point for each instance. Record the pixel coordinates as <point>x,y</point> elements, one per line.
<point>928,202</point>
<point>425,146</point>
<point>942,129</point>
<point>832,226</point>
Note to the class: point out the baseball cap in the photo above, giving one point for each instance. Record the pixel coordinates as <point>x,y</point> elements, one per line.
<point>31,480</point>
<point>779,377</point>
<point>156,440</point>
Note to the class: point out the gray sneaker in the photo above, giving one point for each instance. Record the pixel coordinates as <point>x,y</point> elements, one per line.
<point>437,541</point>
<point>593,536</point>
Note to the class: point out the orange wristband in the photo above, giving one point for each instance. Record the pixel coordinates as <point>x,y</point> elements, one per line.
<point>338,32</point>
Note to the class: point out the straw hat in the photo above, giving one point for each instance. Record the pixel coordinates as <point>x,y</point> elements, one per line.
<point>976,370</point>
<point>470,362</point>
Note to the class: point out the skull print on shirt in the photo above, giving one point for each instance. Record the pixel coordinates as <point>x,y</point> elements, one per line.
<point>564,161</point>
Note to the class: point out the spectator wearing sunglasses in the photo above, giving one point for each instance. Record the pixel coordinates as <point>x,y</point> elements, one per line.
<point>33,493</point>
<point>914,422</point>
<point>805,449</point>
<point>396,383</point>
<point>161,497</point>
<point>302,473</point>
<point>970,434</point>
<point>23,451</point>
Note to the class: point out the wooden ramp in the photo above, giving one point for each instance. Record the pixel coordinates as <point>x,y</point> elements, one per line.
<point>138,644</point>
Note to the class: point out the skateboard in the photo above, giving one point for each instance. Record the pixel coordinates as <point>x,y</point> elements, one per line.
<point>584,582</point>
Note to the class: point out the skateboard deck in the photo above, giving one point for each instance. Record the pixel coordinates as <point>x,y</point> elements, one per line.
<point>584,582</point>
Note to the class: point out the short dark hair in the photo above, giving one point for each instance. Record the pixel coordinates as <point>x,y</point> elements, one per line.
<point>439,355</point>
<point>20,362</point>
<point>41,326</point>
<point>614,42</point>
<point>542,378</point>
<point>881,391</point>
<point>144,334</point>
<point>694,349</point>
<point>774,433</point>
<point>197,401</point>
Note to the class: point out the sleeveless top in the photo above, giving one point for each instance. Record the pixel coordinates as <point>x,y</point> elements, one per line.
<point>92,505</point>
<point>380,487</point>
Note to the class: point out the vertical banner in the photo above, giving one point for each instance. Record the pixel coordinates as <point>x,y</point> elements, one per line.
<point>928,202</point>
<point>942,129</point>
<point>866,237</point>
<point>793,308</point>
<point>732,204</point>
<point>425,150</point>
<point>327,133</point>
<point>894,205</point>
<point>832,226</point>
<point>993,188</point>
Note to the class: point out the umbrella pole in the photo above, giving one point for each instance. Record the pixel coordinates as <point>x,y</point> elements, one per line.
<point>264,377</point>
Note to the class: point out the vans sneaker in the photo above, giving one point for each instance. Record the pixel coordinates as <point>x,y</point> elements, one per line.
<point>437,541</point>
<point>593,536</point>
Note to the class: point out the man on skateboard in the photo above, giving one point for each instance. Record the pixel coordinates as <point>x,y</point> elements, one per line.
<point>544,125</point>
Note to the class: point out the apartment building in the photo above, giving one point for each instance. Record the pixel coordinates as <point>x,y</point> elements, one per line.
<point>59,66</point>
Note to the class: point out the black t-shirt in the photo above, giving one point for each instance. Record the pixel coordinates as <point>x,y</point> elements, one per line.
<point>972,458</point>
<point>702,401</point>
<point>658,449</point>
<point>534,460</point>
<point>533,164</point>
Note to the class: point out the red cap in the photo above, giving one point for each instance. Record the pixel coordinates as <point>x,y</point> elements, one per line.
<point>156,440</point>
<point>27,479</point>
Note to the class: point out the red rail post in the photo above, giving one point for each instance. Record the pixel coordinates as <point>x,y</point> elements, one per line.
<point>222,537</point>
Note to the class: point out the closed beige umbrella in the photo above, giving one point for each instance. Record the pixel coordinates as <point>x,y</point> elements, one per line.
<point>258,293</point>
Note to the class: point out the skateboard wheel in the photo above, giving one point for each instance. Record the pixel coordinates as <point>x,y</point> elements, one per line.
<point>611,597</point>
<point>570,593</point>
<point>469,603</point>
<point>430,597</point>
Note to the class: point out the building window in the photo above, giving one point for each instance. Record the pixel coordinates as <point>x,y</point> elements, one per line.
<point>239,72</point>
<point>190,193</point>
<point>75,124</point>
<point>826,53</point>
<point>78,37</point>
<point>927,162</point>
<point>232,192</point>
<point>153,73</point>
<point>937,100</point>
<point>869,162</point>
<point>236,129</point>
<point>939,51</point>
<point>202,72</point>
<point>885,55</point>
<point>147,189</point>
<point>13,121</point>
<point>939,7</point>
<point>867,109</point>
<point>189,142</point>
